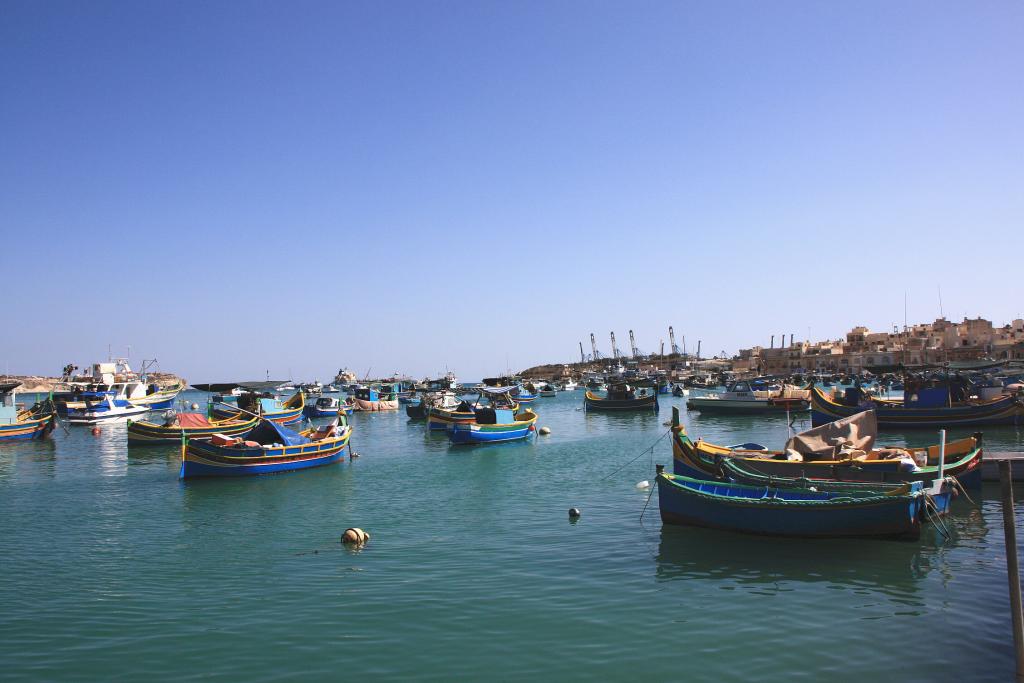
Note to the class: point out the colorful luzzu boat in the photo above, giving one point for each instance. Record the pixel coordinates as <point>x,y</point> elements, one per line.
<point>18,424</point>
<point>250,400</point>
<point>269,448</point>
<point>451,411</point>
<point>621,396</point>
<point>193,426</point>
<point>750,463</point>
<point>493,425</point>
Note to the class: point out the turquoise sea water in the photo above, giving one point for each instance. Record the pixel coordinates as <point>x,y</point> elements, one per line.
<point>111,568</point>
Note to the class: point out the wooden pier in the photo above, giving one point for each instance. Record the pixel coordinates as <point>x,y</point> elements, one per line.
<point>990,465</point>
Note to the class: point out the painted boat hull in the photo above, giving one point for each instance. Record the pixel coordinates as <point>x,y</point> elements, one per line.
<point>786,512</point>
<point>1005,411</point>
<point>464,434</point>
<point>24,430</point>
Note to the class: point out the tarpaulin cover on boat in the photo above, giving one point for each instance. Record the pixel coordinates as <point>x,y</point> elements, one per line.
<point>192,420</point>
<point>857,431</point>
<point>268,432</point>
<point>495,391</point>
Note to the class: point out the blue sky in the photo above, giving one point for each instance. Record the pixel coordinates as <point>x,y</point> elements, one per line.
<point>294,187</point>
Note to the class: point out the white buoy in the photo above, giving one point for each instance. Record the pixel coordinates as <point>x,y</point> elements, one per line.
<point>195,406</point>
<point>643,484</point>
<point>545,430</point>
<point>355,535</point>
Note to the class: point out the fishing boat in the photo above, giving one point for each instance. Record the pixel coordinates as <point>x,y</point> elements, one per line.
<point>547,391</point>
<point>254,397</point>
<point>493,425</point>
<point>17,423</point>
<point>440,400</point>
<point>376,398</point>
<point>325,406</point>
<point>622,396</point>
<point>193,426</point>
<point>924,408</point>
<point>267,449</point>
<point>453,411</point>
<point>741,397</point>
<point>526,393</point>
<point>841,451</point>
<point>678,390</point>
<point>568,385</point>
<point>104,409</point>
<point>114,378</point>
<point>802,512</point>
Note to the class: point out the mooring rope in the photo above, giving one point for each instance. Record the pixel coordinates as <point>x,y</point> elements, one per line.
<point>638,456</point>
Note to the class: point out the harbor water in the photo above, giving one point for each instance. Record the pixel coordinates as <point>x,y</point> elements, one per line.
<point>113,569</point>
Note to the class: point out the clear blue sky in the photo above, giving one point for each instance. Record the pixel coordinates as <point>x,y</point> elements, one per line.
<point>234,187</point>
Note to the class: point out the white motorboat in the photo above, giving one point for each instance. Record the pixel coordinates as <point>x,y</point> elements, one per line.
<point>107,409</point>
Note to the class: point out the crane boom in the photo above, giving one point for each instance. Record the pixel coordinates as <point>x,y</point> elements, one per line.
<point>632,344</point>
<point>615,350</point>
<point>672,340</point>
<point>593,346</point>
<point>583,359</point>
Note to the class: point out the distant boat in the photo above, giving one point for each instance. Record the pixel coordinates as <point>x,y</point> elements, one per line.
<point>267,449</point>
<point>18,424</point>
<point>932,409</point>
<point>325,406</point>
<point>194,426</point>
<point>568,385</point>
<point>547,391</point>
<point>741,397</point>
<point>376,398</point>
<point>493,425</point>
<point>439,400</point>
<point>621,396</point>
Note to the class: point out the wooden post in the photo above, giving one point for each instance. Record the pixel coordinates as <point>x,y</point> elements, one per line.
<point>1012,568</point>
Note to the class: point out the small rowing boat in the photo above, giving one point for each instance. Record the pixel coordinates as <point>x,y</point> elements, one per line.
<point>493,425</point>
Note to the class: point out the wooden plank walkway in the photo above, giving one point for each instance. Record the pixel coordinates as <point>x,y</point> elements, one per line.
<point>990,465</point>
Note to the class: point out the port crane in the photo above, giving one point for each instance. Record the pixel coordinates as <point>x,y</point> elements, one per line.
<point>632,344</point>
<point>672,340</point>
<point>615,349</point>
<point>593,346</point>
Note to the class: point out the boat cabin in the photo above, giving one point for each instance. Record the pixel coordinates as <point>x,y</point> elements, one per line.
<point>495,416</point>
<point>8,408</point>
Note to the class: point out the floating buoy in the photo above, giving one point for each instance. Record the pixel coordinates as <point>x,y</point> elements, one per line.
<point>355,535</point>
<point>195,406</point>
<point>574,513</point>
<point>95,431</point>
<point>643,484</point>
<point>545,430</point>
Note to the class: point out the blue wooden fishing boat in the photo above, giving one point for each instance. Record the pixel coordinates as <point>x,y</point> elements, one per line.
<point>622,396</point>
<point>17,423</point>
<point>931,408</point>
<point>267,449</point>
<point>449,410</point>
<point>376,398</point>
<point>791,512</point>
<point>865,463</point>
<point>493,425</point>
